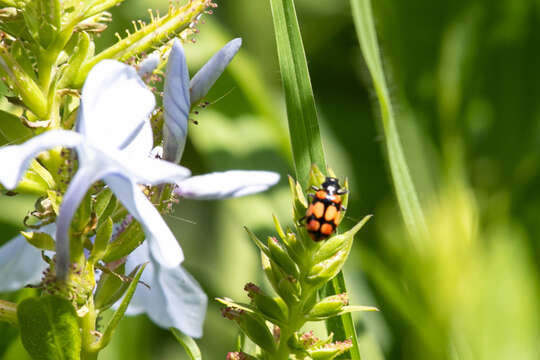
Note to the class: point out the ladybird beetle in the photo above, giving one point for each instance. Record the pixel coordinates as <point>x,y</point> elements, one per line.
<point>323,214</point>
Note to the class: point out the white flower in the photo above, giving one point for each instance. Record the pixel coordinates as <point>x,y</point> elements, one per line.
<point>174,298</point>
<point>113,140</point>
<point>179,94</point>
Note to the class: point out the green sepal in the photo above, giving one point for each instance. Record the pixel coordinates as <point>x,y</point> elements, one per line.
<point>103,235</point>
<point>83,49</point>
<point>299,201</point>
<point>327,307</point>
<point>23,84</point>
<point>267,268</point>
<point>280,256</point>
<point>49,328</point>
<point>40,240</point>
<point>13,131</point>
<point>289,290</point>
<point>126,241</point>
<point>295,249</point>
<point>327,269</point>
<point>332,245</point>
<point>83,215</point>
<point>329,351</point>
<point>12,22</point>
<point>111,287</point>
<point>43,20</point>
<point>273,309</point>
<point>56,200</point>
<point>108,211</point>
<point>101,201</point>
<point>252,324</point>
<point>316,177</point>
<point>22,56</point>
<point>258,242</point>
<point>119,313</point>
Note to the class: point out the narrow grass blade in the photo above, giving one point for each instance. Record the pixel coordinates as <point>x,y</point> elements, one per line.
<point>406,194</point>
<point>304,131</point>
<point>303,123</point>
<point>188,343</point>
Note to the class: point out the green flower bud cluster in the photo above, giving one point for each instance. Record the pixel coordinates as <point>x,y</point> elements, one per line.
<point>47,49</point>
<point>297,267</point>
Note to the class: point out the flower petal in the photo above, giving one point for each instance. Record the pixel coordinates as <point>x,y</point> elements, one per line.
<point>161,241</point>
<point>146,170</point>
<point>21,263</point>
<point>212,70</point>
<point>148,65</point>
<point>15,159</point>
<point>226,184</point>
<point>115,104</point>
<point>174,299</point>
<point>176,104</point>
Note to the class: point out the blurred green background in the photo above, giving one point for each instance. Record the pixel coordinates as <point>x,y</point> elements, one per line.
<point>464,80</point>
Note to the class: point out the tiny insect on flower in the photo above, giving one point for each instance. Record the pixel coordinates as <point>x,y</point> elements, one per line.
<point>323,213</point>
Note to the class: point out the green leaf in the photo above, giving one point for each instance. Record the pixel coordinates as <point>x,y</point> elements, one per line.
<point>188,343</point>
<point>409,204</point>
<point>302,116</point>
<point>49,328</point>
<point>303,123</point>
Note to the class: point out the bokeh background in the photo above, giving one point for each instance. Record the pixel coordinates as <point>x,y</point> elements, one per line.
<point>464,79</point>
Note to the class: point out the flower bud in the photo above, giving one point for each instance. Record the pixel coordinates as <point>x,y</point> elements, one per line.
<point>267,268</point>
<point>282,258</point>
<point>328,307</point>
<point>303,341</point>
<point>289,289</point>
<point>330,351</point>
<point>272,307</point>
<point>239,356</point>
<point>253,326</point>
<point>326,270</point>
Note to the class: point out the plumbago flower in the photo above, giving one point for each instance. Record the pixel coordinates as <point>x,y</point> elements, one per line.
<point>175,298</point>
<point>113,140</point>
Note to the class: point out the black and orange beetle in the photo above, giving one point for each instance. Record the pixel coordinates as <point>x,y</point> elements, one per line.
<point>323,214</point>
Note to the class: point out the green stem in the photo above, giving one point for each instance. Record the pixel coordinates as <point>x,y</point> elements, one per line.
<point>8,312</point>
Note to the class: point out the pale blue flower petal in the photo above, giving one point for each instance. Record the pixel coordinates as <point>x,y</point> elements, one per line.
<point>162,243</point>
<point>176,104</point>
<point>220,185</point>
<point>174,299</point>
<point>148,65</point>
<point>21,264</point>
<point>15,159</point>
<point>115,105</point>
<point>212,70</point>
<point>145,169</point>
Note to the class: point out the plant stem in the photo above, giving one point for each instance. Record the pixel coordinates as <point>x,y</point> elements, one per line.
<point>8,312</point>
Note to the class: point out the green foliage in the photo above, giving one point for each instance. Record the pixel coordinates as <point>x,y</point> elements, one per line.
<point>301,113</point>
<point>296,267</point>
<point>49,328</point>
<point>188,343</point>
